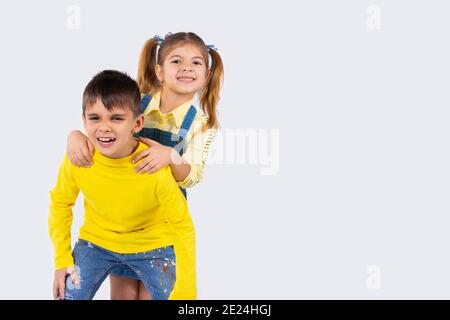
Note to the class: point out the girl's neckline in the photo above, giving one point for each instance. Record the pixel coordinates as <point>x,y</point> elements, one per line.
<point>177,105</point>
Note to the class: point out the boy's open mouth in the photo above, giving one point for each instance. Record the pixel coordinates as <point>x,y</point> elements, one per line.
<point>106,141</point>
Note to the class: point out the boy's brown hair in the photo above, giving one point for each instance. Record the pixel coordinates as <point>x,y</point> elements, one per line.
<point>115,89</point>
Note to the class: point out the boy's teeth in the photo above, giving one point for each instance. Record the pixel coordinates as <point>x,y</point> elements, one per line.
<point>106,140</point>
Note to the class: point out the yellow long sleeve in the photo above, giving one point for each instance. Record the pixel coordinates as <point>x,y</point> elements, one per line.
<point>197,151</point>
<point>62,199</point>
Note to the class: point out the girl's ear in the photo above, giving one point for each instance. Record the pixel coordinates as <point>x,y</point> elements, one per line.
<point>139,124</point>
<point>159,73</point>
<point>208,75</point>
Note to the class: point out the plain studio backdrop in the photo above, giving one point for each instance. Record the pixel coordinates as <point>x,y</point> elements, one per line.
<point>330,176</point>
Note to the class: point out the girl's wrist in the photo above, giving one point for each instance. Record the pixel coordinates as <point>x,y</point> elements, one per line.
<point>175,158</point>
<point>172,156</point>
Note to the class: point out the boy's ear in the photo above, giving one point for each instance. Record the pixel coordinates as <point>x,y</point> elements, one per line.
<point>139,124</point>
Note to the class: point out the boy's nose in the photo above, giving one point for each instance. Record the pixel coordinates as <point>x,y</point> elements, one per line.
<point>104,128</point>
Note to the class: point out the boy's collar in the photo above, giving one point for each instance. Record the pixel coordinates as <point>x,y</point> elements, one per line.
<point>120,162</point>
<point>178,113</point>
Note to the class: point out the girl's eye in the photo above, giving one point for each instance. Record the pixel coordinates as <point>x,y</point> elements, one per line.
<point>198,63</point>
<point>176,61</point>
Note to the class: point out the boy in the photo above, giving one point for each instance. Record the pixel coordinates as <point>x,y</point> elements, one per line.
<point>141,221</point>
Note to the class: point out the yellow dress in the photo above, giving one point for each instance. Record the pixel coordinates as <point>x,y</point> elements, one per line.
<point>184,245</point>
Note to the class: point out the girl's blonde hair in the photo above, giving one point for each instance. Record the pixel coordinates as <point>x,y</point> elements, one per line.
<point>150,56</point>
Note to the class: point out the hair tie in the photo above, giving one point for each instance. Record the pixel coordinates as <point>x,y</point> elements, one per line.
<point>159,39</point>
<point>211,46</point>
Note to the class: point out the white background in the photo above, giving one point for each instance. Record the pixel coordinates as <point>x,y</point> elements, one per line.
<point>362,116</point>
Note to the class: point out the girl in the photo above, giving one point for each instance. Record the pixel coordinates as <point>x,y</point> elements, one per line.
<point>171,72</point>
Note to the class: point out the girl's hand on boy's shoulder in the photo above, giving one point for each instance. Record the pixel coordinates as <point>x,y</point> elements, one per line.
<point>155,157</point>
<point>79,149</point>
<point>59,283</point>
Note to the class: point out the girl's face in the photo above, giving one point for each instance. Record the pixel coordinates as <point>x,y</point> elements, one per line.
<point>184,70</point>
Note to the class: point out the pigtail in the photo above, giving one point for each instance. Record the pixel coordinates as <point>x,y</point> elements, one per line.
<point>146,77</point>
<point>211,93</point>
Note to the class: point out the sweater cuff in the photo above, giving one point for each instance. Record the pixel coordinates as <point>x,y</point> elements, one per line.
<point>184,184</point>
<point>194,177</point>
<point>64,262</point>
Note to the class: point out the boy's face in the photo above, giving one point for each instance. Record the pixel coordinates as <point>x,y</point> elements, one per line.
<point>111,132</point>
<point>184,70</point>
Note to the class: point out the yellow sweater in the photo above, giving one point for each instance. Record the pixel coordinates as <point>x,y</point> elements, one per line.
<point>125,212</point>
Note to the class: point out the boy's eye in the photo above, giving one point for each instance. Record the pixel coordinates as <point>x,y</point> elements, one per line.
<point>117,118</point>
<point>93,118</point>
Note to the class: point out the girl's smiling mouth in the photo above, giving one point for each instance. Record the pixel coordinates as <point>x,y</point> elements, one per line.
<point>186,79</point>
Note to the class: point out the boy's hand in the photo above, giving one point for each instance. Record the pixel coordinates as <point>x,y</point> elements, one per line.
<point>79,149</point>
<point>155,157</point>
<point>59,284</point>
